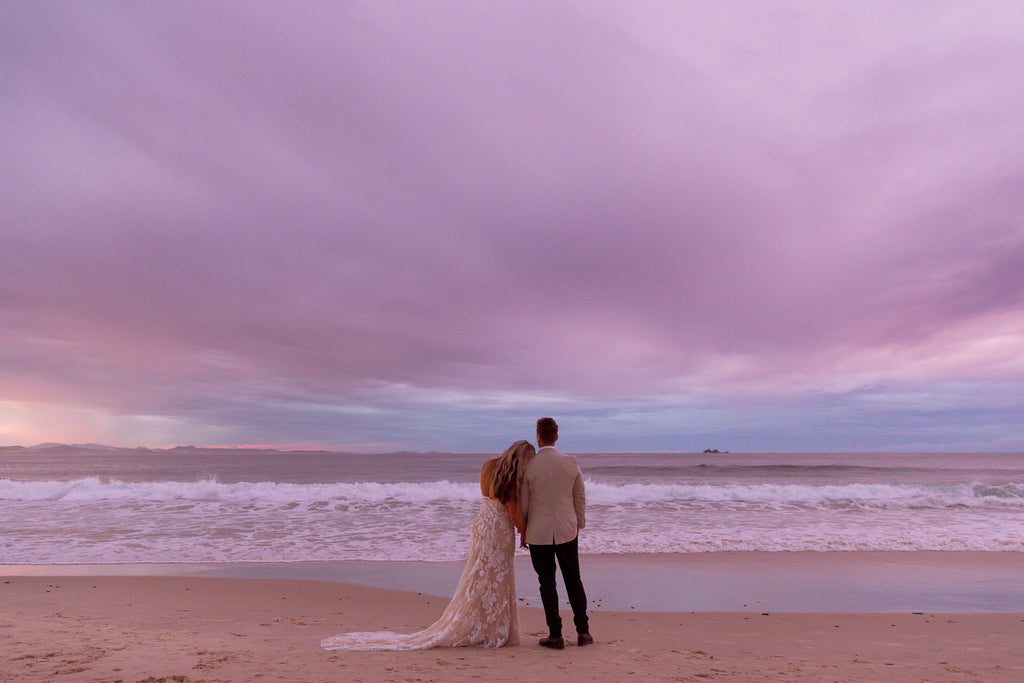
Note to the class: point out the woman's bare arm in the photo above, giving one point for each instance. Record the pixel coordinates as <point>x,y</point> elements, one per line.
<point>516,515</point>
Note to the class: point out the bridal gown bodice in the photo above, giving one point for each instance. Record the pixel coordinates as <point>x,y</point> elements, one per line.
<point>483,609</point>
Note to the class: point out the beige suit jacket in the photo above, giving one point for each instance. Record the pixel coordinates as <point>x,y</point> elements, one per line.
<point>552,498</point>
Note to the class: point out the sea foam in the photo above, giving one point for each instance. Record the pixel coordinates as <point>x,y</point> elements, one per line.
<point>98,519</point>
<point>88,489</point>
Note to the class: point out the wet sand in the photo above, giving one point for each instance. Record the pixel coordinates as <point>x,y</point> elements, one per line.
<point>705,582</point>
<point>201,628</point>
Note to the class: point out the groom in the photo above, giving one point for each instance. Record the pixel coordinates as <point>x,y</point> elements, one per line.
<point>553,502</point>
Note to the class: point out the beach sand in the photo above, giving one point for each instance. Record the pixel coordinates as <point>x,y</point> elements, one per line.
<point>164,629</point>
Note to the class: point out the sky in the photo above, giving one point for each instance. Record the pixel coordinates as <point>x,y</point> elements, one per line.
<point>376,226</point>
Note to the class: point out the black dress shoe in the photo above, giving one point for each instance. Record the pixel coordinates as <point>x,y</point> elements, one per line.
<point>584,639</point>
<point>554,642</point>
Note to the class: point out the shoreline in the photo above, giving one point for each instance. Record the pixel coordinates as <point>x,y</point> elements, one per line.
<point>188,629</point>
<point>738,581</point>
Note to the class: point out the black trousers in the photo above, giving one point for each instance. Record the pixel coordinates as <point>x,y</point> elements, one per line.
<point>568,557</point>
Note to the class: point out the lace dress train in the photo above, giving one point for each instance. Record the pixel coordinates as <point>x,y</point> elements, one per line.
<point>482,611</point>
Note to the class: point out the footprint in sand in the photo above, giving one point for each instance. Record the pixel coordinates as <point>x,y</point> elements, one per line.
<point>213,659</point>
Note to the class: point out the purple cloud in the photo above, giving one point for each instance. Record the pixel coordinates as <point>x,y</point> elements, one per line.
<point>426,225</point>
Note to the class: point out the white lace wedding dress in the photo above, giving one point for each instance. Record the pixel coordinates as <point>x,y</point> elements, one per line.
<point>483,609</point>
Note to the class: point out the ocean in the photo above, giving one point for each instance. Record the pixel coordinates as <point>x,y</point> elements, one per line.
<point>86,505</point>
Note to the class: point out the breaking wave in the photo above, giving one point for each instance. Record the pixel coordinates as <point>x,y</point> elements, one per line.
<point>869,496</point>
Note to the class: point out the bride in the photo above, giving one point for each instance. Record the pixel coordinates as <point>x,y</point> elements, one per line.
<point>483,609</point>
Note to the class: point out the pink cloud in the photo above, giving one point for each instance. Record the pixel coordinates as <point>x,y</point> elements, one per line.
<point>216,213</point>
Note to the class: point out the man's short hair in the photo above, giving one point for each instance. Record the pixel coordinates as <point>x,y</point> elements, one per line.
<point>547,430</point>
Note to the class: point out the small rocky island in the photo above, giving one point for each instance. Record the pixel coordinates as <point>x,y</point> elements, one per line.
<point>714,450</point>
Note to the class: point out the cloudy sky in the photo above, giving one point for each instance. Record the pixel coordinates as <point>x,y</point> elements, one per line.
<point>403,225</point>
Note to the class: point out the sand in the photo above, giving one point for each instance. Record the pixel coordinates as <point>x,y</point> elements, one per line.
<point>163,629</point>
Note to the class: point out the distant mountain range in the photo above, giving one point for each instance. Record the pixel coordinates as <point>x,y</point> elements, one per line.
<point>186,449</point>
<point>78,446</point>
<point>179,449</point>
<point>90,446</point>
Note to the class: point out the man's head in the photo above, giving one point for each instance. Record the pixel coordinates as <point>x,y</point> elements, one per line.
<point>547,432</point>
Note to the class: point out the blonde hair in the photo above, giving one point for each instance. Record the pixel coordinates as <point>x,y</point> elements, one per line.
<point>508,472</point>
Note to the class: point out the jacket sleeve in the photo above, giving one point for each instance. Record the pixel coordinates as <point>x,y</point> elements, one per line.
<point>579,499</point>
<point>524,499</point>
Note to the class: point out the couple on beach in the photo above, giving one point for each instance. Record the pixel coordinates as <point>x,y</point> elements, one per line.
<point>540,493</point>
